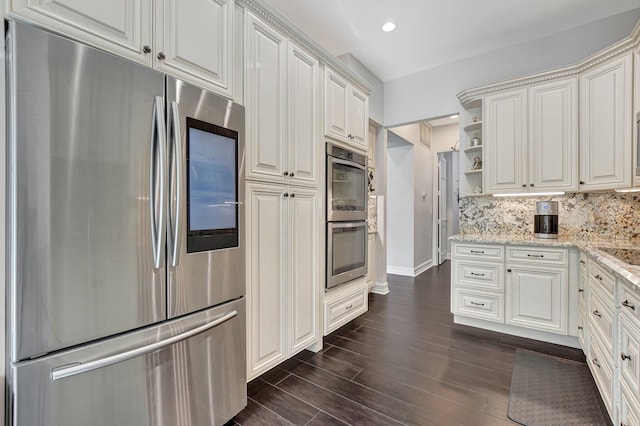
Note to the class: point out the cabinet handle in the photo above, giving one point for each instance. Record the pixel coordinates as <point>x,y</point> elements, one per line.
<point>583,262</point>
<point>597,277</point>
<point>286,194</point>
<point>509,270</point>
<point>535,255</point>
<point>348,306</point>
<point>581,290</point>
<point>595,362</point>
<point>285,174</point>
<point>161,56</point>
<point>625,356</point>
<point>477,275</point>
<point>292,195</point>
<point>476,304</point>
<point>146,49</point>
<point>531,185</point>
<point>598,314</point>
<point>580,327</point>
<point>629,305</point>
<point>581,182</point>
<point>477,251</point>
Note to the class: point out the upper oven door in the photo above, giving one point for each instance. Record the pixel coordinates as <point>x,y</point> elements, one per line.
<point>346,190</point>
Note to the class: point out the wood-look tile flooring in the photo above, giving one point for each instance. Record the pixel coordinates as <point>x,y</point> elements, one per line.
<point>403,362</point>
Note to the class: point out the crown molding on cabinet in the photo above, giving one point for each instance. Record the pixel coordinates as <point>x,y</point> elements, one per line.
<point>290,30</point>
<point>469,96</point>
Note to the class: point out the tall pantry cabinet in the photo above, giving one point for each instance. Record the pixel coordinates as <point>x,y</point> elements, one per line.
<point>284,222</point>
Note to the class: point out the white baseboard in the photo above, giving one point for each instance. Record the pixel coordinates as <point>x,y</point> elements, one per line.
<point>400,270</point>
<point>380,288</point>
<point>423,267</point>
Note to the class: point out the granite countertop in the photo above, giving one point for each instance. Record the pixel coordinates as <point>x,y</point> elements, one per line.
<point>591,247</point>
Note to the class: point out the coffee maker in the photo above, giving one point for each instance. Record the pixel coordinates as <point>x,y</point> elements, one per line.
<point>546,219</point>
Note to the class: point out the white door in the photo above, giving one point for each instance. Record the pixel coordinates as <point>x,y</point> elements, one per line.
<point>193,41</point>
<point>442,209</point>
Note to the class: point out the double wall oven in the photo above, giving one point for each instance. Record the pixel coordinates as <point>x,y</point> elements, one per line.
<point>346,215</point>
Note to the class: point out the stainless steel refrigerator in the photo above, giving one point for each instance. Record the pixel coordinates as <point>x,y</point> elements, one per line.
<point>124,233</point>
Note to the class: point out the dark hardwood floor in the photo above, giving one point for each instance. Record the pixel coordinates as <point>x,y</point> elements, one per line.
<point>403,362</point>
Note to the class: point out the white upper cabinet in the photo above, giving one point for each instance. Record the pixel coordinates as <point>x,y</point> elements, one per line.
<point>553,136</point>
<point>193,41</point>
<point>282,96</point>
<point>266,59</point>
<point>505,118</point>
<point>346,111</point>
<point>605,125</point>
<point>119,26</point>
<point>531,139</point>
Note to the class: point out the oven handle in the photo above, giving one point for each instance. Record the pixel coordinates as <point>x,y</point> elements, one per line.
<point>340,225</point>
<point>348,163</point>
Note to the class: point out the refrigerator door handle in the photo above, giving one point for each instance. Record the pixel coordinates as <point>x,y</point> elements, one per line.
<point>157,181</point>
<point>84,367</point>
<point>175,179</point>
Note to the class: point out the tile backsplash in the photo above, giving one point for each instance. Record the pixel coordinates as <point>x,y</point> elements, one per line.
<point>586,215</point>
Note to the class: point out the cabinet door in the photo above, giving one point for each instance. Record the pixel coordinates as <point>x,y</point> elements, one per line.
<point>119,26</point>
<point>265,277</point>
<point>304,268</point>
<point>537,298</point>
<point>553,136</point>
<point>303,146</point>
<point>336,95</point>
<point>358,124</point>
<point>505,142</point>
<point>195,40</point>
<point>605,126</point>
<point>265,93</point>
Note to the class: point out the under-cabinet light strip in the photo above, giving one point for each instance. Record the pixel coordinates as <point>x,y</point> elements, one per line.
<point>529,194</point>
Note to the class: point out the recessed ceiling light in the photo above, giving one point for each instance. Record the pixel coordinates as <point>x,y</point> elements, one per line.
<point>453,116</point>
<point>388,27</point>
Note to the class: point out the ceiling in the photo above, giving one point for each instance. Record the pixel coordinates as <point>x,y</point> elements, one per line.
<point>434,32</point>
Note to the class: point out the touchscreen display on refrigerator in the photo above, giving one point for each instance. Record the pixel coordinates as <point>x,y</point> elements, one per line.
<point>212,181</point>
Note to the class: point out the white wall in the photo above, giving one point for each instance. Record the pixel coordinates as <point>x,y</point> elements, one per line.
<point>453,209</point>
<point>409,132</point>
<point>376,97</point>
<point>432,93</point>
<point>423,209</point>
<point>444,137</point>
<point>400,214</point>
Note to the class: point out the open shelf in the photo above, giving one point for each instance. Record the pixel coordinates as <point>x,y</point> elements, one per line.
<point>477,148</point>
<point>469,172</point>
<point>473,127</point>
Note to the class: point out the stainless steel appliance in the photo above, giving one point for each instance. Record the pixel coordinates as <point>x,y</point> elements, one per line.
<point>546,219</point>
<point>126,272</point>
<point>347,195</point>
<point>346,184</point>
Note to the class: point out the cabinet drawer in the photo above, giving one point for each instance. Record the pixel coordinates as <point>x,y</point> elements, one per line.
<point>493,252</point>
<point>487,275</point>
<point>478,304</point>
<point>345,308</point>
<point>602,371</point>
<point>537,255</point>
<point>583,262</point>
<point>630,353</point>
<point>629,300</point>
<point>602,278</point>
<point>629,407</point>
<point>602,322</point>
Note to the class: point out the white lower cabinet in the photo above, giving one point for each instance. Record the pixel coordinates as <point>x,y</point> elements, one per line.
<point>283,285</point>
<point>629,408</point>
<point>345,303</point>
<point>604,372</point>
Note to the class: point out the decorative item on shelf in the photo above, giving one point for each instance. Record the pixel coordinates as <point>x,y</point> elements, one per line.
<point>475,140</point>
<point>474,119</point>
<point>477,163</point>
<point>477,190</point>
<point>370,181</point>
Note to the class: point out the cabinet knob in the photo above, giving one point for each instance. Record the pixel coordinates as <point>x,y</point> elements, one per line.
<point>285,174</point>
<point>291,174</point>
<point>292,195</point>
<point>581,182</point>
<point>580,327</point>
<point>524,185</point>
<point>509,270</point>
<point>146,49</point>
<point>286,194</point>
<point>625,356</point>
<point>161,56</point>
<point>531,185</point>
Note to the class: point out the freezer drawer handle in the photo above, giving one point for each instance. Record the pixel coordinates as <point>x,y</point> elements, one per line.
<point>84,367</point>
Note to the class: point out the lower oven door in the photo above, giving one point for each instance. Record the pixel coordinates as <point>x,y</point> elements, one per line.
<point>346,251</point>
<point>189,371</point>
